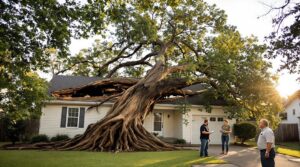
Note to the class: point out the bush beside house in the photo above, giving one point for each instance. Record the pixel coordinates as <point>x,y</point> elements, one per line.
<point>180,141</point>
<point>59,137</point>
<point>245,131</point>
<point>39,138</point>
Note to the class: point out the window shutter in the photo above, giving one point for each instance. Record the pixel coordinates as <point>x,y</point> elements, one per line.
<point>81,117</point>
<point>63,119</point>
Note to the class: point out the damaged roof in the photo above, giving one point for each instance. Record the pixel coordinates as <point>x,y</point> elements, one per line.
<point>59,82</point>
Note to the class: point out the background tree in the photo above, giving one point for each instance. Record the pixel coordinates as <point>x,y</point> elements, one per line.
<point>29,29</point>
<point>178,43</point>
<point>13,129</point>
<point>285,40</point>
<point>22,100</point>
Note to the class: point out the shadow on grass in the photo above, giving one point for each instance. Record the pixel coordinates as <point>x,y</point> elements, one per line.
<point>36,158</point>
<point>185,161</point>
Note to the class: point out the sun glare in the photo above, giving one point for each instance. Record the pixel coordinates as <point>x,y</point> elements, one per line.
<point>287,85</point>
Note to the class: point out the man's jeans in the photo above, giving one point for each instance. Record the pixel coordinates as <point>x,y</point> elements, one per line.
<point>225,141</point>
<point>267,162</point>
<point>204,147</point>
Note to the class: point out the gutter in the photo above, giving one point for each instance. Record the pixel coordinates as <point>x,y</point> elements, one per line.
<point>89,103</point>
<point>83,103</point>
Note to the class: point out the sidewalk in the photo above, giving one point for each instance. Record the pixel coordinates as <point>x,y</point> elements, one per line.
<point>246,157</point>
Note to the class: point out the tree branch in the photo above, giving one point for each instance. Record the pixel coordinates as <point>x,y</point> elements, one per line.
<point>132,63</point>
<point>119,56</point>
<point>73,65</point>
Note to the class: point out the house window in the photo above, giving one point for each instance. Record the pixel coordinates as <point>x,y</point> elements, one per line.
<point>73,117</point>
<point>294,111</point>
<point>212,119</point>
<point>283,116</point>
<point>157,121</point>
<point>220,119</point>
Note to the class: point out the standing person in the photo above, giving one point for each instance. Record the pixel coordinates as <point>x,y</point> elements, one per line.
<point>225,130</point>
<point>204,137</point>
<point>266,144</point>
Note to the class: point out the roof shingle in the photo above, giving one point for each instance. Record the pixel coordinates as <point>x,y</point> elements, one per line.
<point>59,82</point>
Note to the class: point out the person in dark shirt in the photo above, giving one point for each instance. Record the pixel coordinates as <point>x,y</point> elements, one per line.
<point>204,137</point>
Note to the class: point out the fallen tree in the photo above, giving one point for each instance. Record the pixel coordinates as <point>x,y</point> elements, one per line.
<point>180,44</point>
<point>122,128</point>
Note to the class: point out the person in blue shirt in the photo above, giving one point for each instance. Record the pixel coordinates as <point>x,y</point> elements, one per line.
<point>204,137</point>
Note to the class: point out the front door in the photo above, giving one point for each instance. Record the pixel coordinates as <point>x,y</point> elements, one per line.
<point>158,123</point>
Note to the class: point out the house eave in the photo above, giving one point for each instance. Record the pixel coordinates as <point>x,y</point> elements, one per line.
<point>89,103</point>
<point>82,103</point>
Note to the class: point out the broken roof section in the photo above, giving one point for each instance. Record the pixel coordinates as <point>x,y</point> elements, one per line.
<point>80,88</point>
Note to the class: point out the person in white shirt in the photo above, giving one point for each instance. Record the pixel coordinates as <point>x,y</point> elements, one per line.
<point>266,144</point>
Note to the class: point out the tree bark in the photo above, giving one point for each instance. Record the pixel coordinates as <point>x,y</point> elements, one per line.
<point>122,128</point>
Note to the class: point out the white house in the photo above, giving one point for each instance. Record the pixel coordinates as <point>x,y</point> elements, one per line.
<point>291,114</point>
<point>70,116</point>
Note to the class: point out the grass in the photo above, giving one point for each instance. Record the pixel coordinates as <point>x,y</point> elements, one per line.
<point>286,148</point>
<point>289,148</point>
<point>34,158</point>
<point>291,145</point>
<point>251,143</point>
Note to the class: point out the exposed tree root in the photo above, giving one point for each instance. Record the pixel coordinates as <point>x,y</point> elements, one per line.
<point>122,128</point>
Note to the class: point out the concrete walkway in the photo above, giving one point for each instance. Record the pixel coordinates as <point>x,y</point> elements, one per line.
<point>247,157</point>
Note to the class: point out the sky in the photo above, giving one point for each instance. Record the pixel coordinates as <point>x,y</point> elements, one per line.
<point>244,15</point>
<point>250,19</point>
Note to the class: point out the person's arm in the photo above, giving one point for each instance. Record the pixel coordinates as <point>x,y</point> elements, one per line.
<point>222,130</point>
<point>270,141</point>
<point>229,130</point>
<point>205,132</point>
<point>225,131</point>
<point>268,149</point>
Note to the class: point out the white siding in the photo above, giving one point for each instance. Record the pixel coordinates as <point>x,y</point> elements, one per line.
<point>51,117</point>
<point>173,121</point>
<point>291,118</point>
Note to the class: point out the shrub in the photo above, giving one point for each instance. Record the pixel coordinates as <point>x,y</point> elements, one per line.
<point>14,130</point>
<point>59,137</point>
<point>39,138</point>
<point>155,133</point>
<point>180,141</point>
<point>245,131</point>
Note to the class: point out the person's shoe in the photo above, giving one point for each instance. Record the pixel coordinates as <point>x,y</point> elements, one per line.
<point>222,153</point>
<point>206,155</point>
<point>226,153</point>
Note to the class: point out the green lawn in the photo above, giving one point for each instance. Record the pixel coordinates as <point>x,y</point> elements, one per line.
<point>291,145</point>
<point>34,158</point>
<point>289,148</point>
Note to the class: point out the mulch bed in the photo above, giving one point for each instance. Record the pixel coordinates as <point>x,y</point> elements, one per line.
<point>27,146</point>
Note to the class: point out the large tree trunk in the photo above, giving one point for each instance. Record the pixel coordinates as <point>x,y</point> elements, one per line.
<point>122,128</point>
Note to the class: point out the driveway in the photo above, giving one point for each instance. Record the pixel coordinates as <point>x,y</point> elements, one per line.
<point>249,157</point>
